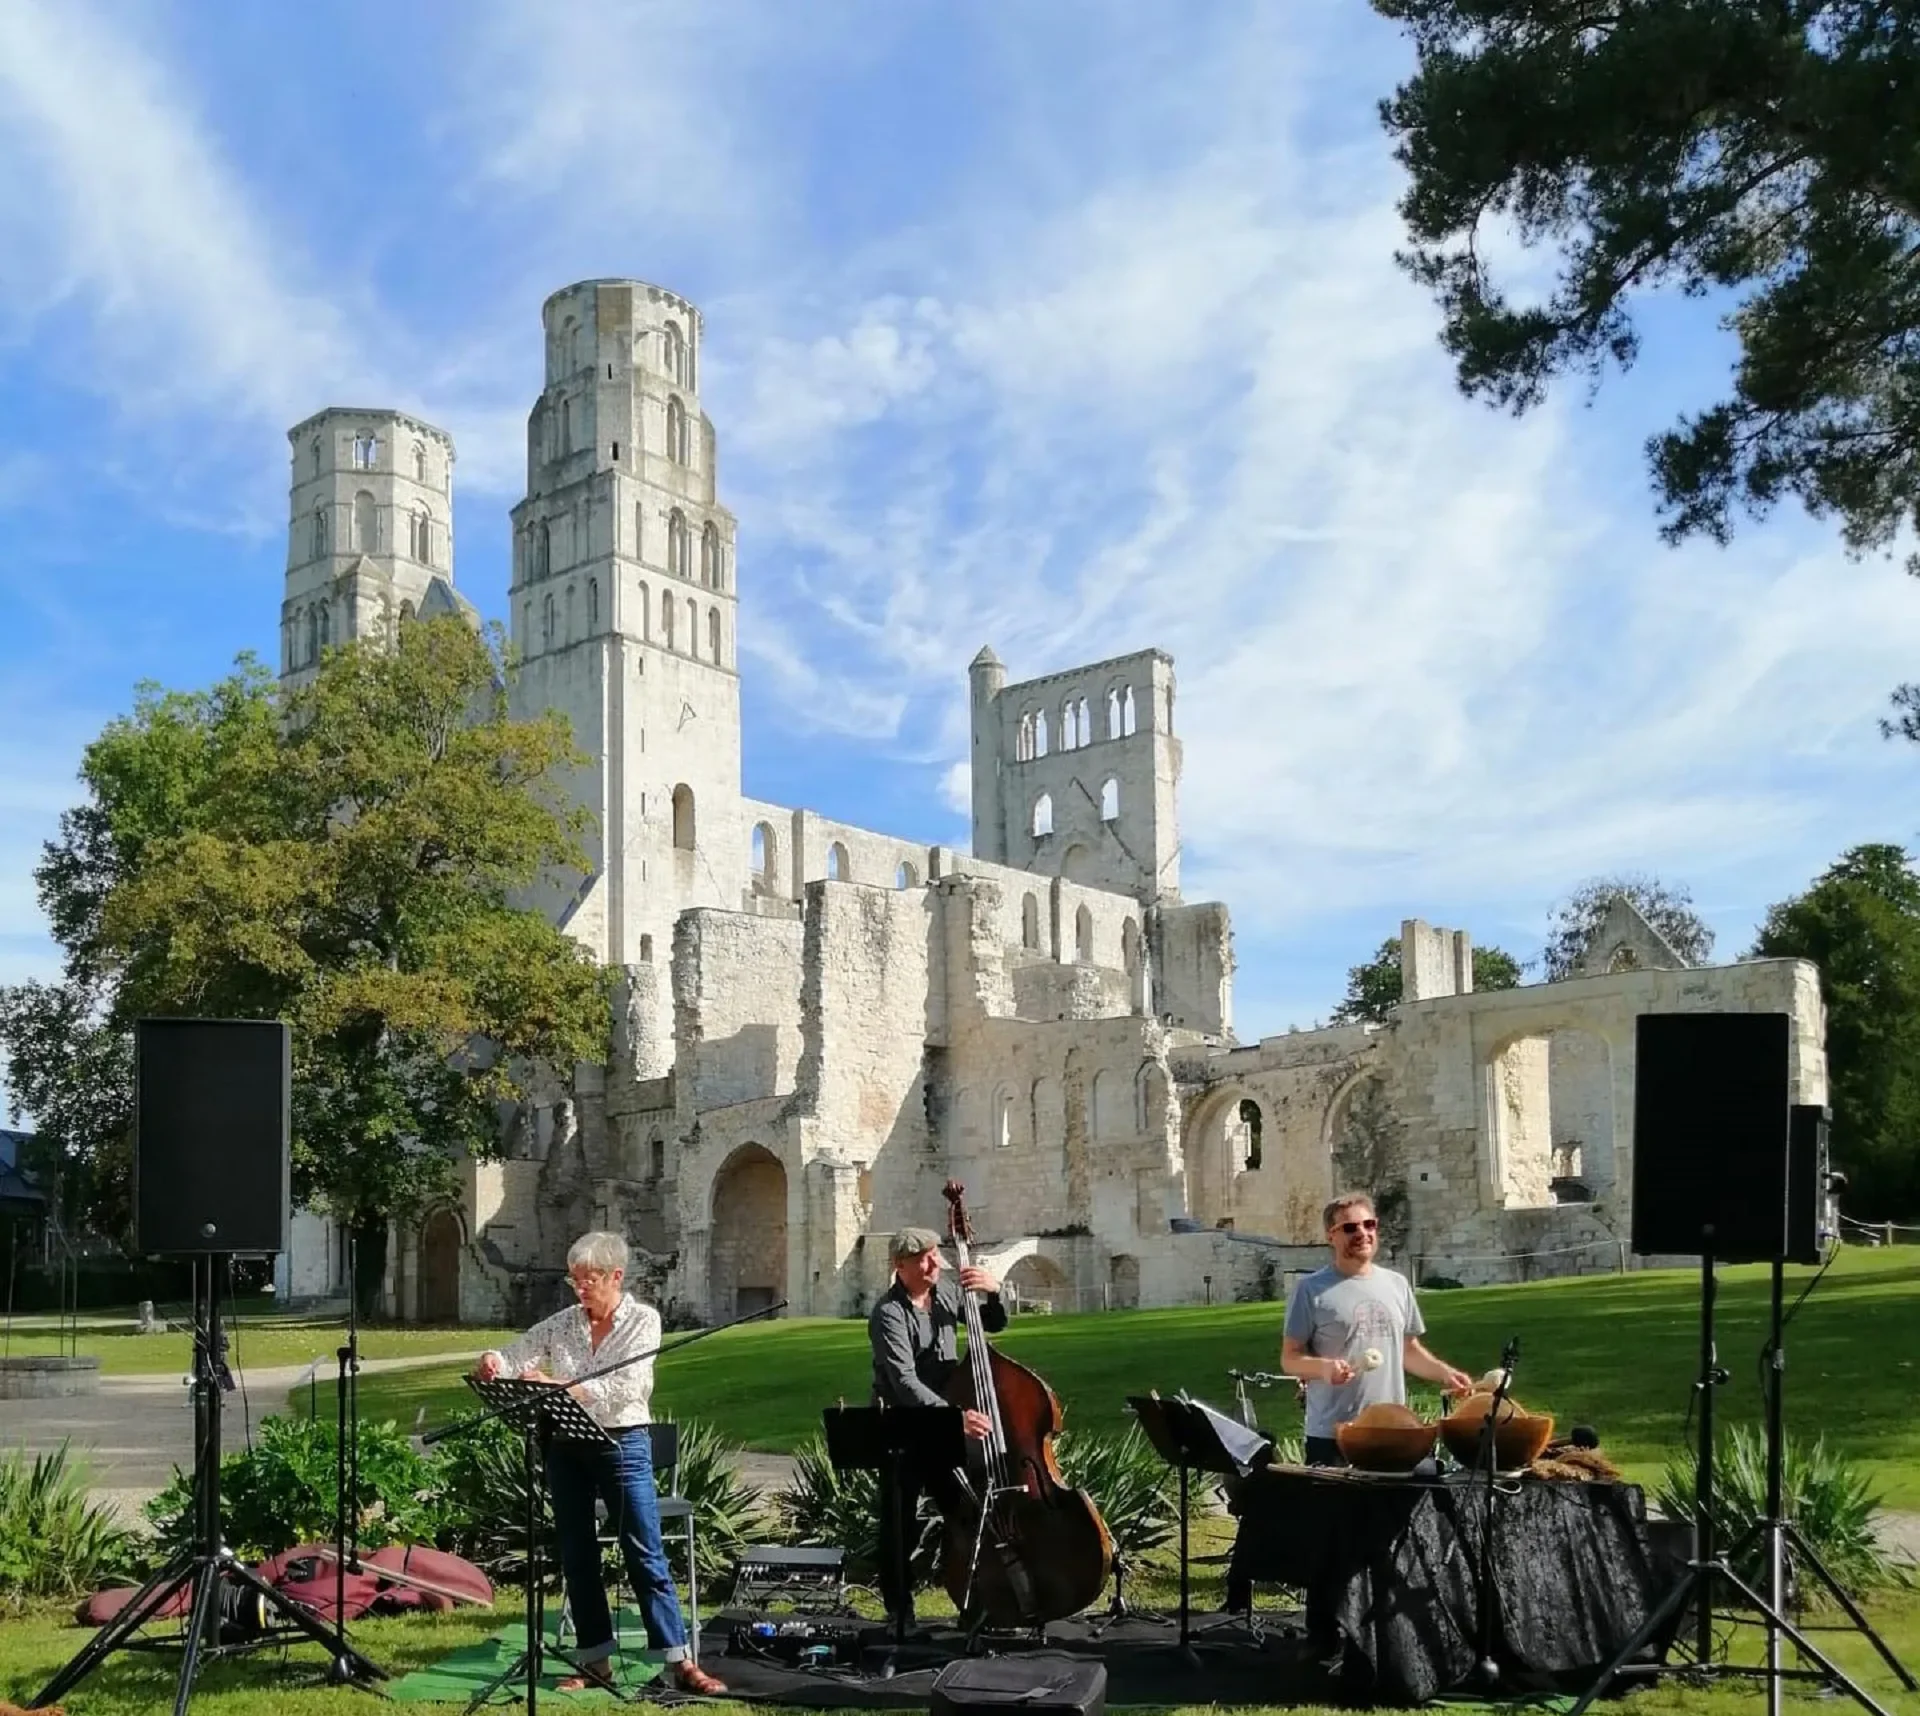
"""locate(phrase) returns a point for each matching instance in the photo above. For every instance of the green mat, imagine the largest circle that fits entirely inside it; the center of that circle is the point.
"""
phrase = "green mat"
(456, 1677)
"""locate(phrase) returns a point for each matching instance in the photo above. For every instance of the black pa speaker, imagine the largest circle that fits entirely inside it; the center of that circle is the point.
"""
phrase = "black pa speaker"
(1710, 1104)
(1807, 1176)
(212, 1123)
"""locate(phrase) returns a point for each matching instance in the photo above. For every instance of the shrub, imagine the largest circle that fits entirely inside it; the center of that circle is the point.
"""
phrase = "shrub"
(826, 1508)
(483, 1504)
(728, 1513)
(53, 1541)
(282, 1491)
(1827, 1497)
(1137, 1492)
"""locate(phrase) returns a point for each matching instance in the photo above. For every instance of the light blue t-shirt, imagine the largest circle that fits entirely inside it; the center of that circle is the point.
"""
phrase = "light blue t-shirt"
(1341, 1316)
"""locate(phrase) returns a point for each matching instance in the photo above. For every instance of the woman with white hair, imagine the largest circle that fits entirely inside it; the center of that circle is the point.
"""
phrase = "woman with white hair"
(607, 1325)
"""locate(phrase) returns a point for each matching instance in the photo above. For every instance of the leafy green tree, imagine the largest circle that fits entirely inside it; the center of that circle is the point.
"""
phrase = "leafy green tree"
(1373, 989)
(1764, 153)
(1860, 923)
(1667, 907)
(347, 858)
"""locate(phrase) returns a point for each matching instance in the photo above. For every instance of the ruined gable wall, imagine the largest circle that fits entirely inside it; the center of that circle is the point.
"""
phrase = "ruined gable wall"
(737, 980)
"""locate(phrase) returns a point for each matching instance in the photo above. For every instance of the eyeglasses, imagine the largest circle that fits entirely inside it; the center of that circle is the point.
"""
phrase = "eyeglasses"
(1350, 1228)
(588, 1278)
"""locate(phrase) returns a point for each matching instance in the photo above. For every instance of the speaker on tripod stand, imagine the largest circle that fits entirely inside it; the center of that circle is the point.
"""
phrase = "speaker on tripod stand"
(212, 1129)
(1727, 1168)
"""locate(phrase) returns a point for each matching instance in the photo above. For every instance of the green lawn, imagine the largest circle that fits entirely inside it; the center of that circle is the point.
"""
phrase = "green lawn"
(33, 1647)
(1617, 1352)
(254, 1340)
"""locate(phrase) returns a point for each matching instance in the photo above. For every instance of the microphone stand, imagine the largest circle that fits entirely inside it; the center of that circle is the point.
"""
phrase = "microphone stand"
(346, 1479)
(1487, 1455)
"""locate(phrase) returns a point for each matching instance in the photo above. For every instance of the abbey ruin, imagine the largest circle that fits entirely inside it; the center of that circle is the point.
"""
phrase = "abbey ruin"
(817, 1024)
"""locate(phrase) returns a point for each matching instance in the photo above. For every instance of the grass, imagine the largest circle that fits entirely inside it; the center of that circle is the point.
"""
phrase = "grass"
(1617, 1352)
(34, 1646)
(257, 1340)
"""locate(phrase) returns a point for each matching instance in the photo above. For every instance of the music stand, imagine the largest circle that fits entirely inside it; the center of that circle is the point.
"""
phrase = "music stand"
(890, 1440)
(1190, 1436)
(539, 1409)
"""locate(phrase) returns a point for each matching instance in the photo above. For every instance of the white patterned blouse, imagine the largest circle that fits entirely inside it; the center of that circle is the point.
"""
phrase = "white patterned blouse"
(562, 1346)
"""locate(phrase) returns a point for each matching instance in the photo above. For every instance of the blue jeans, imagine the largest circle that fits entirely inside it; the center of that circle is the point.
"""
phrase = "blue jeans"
(622, 1477)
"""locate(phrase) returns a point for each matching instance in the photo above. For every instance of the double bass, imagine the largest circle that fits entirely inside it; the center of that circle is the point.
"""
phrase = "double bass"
(1020, 1548)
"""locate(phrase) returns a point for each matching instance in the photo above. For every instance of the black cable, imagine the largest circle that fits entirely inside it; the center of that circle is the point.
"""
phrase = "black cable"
(239, 1363)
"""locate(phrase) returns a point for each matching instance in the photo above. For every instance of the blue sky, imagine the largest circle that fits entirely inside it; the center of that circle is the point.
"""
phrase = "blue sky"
(1071, 329)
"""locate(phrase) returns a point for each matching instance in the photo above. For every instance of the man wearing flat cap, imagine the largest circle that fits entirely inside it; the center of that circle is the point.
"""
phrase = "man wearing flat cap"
(914, 1331)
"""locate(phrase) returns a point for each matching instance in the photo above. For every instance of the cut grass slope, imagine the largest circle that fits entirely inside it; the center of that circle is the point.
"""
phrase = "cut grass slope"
(1617, 1352)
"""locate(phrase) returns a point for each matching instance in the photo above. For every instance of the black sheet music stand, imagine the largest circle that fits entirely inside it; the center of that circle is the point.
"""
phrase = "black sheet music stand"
(539, 1409)
(1191, 1437)
(889, 1440)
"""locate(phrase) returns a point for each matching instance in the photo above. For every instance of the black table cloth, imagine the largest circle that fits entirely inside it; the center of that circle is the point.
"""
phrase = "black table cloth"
(1390, 1568)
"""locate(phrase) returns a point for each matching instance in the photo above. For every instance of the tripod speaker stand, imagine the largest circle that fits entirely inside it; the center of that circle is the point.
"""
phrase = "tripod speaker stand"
(1711, 1564)
(217, 1584)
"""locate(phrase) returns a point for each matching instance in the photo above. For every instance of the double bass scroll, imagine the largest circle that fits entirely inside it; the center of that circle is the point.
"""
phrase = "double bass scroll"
(1020, 1547)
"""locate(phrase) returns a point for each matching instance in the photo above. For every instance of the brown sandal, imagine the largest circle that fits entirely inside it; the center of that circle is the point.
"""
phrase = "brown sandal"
(595, 1674)
(689, 1676)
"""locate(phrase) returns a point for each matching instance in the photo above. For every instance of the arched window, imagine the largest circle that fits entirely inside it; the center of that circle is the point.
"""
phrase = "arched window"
(1040, 732)
(319, 532)
(419, 463)
(526, 624)
(567, 636)
(1023, 742)
(676, 349)
(316, 455)
(676, 432)
(837, 870)
(683, 817)
(1083, 936)
(1113, 712)
(1250, 1119)
(1068, 729)
(1030, 922)
(693, 630)
(421, 535)
(1002, 1116)
(593, 604)
(542, 549)
(904, 875)
(546, 621)
(1110, 800)
(710, 556)
(366, 451)
(1042, 823)
(643, 618)
(666, 618)
(639, 530)
(763, 853)
(1084, 735)
(566, 427)
(366, 523)
(406, 613)
(1126, 711)
(313, 637)
(678, 544)
(713, 636)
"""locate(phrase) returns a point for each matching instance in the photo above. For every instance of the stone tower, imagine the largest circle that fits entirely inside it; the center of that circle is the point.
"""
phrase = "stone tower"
(1076, 774)
(370, 533)
(623, 612)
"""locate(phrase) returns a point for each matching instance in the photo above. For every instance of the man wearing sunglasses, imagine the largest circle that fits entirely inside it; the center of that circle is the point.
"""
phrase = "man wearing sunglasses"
(1353, 1332)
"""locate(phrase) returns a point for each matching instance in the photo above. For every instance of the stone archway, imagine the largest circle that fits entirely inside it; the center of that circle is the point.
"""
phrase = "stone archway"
(747, 1250)
(1123, 1283)
(438, 1300)
(1035, 1278)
